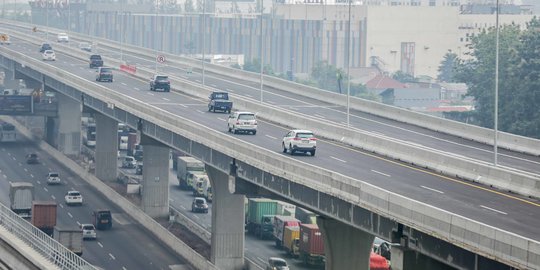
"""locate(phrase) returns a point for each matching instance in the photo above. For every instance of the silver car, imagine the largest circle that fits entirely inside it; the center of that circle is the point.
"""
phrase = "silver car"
(275, 263)
(88, 231)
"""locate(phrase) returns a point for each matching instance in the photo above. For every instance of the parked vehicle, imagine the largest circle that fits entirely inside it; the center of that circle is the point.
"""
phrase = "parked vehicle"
(104, 74)
(48, 55)
(71, 238)
(280, 222)
(53, 178)
(311, 245)
(21, 195)
(219, 101)
(139, 169)
(44, 216)
(44, 47)
(305, 216)
(277, 264)
(62, 37)
(199, 205)
(88, 231)
(188, 169)
(129, 162)
(95, 61)
(299, 141)
(242, 122)
(291, 238)
(32, 158)
(160, 82)
(261, 212)
(102, 219)
(73, 197)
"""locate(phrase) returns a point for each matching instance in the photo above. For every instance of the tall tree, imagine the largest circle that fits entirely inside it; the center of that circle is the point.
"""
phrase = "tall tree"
(446, 69)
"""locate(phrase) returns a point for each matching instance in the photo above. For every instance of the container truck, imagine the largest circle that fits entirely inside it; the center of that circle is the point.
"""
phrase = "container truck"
(305, 216)
(199, 180)
(311, 245)
(285, 209)
(280, 222)
(71, 238)
(21, 195)
(132, 141)
(187, 168)
(44, 216)
(378, 262)
(291, 237)
(260, 217)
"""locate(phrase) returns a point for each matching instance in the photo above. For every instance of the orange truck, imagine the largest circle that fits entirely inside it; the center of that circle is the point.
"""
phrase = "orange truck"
(44, 216)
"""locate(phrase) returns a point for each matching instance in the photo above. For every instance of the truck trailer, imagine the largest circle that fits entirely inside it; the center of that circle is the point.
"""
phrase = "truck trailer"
(71, 238)
(21, 195)
(44, 216)
(188, 168)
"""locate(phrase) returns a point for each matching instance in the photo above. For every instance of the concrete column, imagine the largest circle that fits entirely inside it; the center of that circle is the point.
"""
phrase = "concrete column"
(155, 185)
(69, 126)
(106, 151)
(407, 259)
(227, 246)
(345, 247)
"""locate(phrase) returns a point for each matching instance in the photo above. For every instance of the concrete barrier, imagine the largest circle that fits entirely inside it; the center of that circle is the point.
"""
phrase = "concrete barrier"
(352, 190)
(12, 249)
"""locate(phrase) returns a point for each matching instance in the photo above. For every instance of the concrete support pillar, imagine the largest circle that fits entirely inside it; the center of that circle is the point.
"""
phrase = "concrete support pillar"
(407, 259)
(227, 246)
(69, 126)
(155, 185)
(106, 154)
(345, 247)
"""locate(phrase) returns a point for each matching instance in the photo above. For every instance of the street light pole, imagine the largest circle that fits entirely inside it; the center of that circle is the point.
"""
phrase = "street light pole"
(47, 20)
(122, 3)
(496, 109)
(155, 33)
(203, 39)
(262, 52)
(349, 65)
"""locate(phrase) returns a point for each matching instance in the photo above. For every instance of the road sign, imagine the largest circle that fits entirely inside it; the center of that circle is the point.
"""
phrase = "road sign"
(160, 58)
(16, 105)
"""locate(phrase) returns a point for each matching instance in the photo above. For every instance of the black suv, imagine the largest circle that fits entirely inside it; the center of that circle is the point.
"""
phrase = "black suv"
(32, 159)
(44, 47)
(104, 74)
(160, 82)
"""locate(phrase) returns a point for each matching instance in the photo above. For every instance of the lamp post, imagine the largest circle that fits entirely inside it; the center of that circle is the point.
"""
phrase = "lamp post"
(203, 39)
(262, 52)
(155, 32)
(496, 109)
(349, 65)
(122, 31)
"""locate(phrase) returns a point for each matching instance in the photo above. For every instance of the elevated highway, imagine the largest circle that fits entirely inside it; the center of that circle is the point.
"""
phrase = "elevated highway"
(342, 182)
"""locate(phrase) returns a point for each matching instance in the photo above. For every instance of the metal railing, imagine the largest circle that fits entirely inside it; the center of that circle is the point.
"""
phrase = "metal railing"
(41, 242)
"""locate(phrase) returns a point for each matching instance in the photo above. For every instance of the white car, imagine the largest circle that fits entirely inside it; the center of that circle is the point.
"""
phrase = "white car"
(88, 231)
(62, 37)
(48, 55)
(85, 46)
(129, 162)
(53, 178)
(73, 197)
(297, 140)
(242, 122)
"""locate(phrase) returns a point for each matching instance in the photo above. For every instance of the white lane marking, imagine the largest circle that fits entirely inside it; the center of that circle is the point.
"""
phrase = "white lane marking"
(136, 88)
(25, 169)
(5, 176)
(61, 205)
(432, 189)
(271, 137)
(198, 81)
(248, 95)
(260, 259)
(181, 206)
(39, 182)
(99, 244)
(219, 118)
(123, 83)
(20, 164)
(213, 85)
(229, 90)
(199, 111)
(183, 105)
(150, 93)
(271, 102)
(338, 159)
(13, 158)
(166, 99)
(45, 189)
(78, 223)
(9, 153)
(387, 175)
(53, 197)
(494, 210)
(112, 256)
(70, 215)
(124, 268)
(195, 216)
(171, 200)
(318, 115)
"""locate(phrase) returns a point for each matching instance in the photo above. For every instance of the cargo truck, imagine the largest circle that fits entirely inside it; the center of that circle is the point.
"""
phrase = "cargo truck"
(305, 216)
(187, 169)
(21, 195)
(102, 219)
(44, 216)
(207, 190)
(199, 180)
(291, 237)
(71, 238)
(260, 217)
(311, 245)
(280, 222)
(286, 209)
